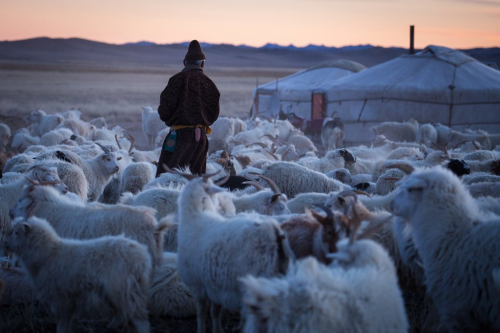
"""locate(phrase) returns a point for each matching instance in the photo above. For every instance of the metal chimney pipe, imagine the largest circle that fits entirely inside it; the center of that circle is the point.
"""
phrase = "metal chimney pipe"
(412, 39)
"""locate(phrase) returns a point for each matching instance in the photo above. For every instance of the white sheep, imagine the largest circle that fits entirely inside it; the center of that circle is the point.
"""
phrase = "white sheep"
(332, 133)
(459, 248)
(223, 128)
(485, 189)
(168, 295)
(72, 176)
(480, 177)
(103, 278)
(302, 201)
(226, 249)
(294, 179)
(427, 134)
(99, 122)
(151, 125)
(23, 139)
(78, 127)
(98, 170)
(163, 200)
(9, 193)
(454, 138)
(386, 183)
(45, 122)
(264, 201)
(395, 131)
(343, 175)
(362, 295)
(75, 220)
(161, 137)
(136, 175)
(335, 159)
(55, 137)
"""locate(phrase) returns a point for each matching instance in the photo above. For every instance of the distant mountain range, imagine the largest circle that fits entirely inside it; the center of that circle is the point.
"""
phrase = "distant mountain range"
(270, 46)
(145, 55)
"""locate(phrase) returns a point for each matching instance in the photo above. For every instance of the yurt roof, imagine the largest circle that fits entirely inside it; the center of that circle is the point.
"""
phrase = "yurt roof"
(435, 75)
(298, 86)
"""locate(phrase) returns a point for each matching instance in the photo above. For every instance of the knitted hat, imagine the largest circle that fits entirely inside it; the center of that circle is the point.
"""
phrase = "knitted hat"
(194, 51)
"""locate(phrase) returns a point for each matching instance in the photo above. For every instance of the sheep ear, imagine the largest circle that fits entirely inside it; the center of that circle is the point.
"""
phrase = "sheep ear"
(26, 228)
(275, 198)
(341, 200)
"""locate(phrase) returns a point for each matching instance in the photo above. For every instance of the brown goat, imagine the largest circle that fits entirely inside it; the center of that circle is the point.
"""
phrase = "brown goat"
(311, 234)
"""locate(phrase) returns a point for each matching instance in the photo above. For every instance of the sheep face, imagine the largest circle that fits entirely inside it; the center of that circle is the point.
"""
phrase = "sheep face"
(43, 174)
(437, 187)
(408, 197)
(27, 234)
(197, 196)
(110, 162)
(24, 206)
(459, 167)
(35, 116)
(277, 205)
(17, 240)
(29, 200)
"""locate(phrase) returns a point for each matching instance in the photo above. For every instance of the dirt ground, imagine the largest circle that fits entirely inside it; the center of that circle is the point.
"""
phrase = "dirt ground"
(116, 94)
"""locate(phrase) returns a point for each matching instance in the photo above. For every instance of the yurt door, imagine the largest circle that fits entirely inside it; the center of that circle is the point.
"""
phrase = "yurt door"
(318, 110)
(318, 105)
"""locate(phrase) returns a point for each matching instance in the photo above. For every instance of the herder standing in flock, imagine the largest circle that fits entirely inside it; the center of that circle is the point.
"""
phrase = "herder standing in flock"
(188, 105)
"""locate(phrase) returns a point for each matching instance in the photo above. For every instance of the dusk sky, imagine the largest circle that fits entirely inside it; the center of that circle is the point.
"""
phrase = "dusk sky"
(452, 23)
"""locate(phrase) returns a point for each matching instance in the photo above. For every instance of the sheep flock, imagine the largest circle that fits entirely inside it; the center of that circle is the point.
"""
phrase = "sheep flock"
(282, 234)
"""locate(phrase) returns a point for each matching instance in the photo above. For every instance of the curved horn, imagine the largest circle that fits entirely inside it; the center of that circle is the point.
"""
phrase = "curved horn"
(438, 146)
(272, 184)
(362, 193)
(260, 144)
(105, 149)
(273, 155)
(254, 184)
(459, 144)
(406, 168)
(328, 211)
(118, 142)
(207, 176)
(132, 142)
(32, 181)
(349, 193)
(223, 180)
(188, 176)
(286, 153)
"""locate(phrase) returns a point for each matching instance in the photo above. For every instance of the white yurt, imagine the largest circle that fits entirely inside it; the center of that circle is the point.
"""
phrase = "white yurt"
(302, 93)
(437, 84)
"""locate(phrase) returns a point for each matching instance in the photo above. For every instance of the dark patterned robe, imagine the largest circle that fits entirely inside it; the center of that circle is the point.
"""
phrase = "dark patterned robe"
(190, 98)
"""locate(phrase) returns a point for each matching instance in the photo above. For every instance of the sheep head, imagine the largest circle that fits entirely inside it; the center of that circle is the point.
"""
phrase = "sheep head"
(198, 194)
(333, 226)
(459, 167)
(29, 235)
(431, 190)
(38, 174)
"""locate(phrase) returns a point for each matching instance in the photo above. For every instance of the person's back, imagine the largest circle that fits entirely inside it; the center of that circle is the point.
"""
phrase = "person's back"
(188, 105)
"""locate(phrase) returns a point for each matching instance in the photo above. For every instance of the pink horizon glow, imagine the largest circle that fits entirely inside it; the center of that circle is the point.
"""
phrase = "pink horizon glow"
(452, 23)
